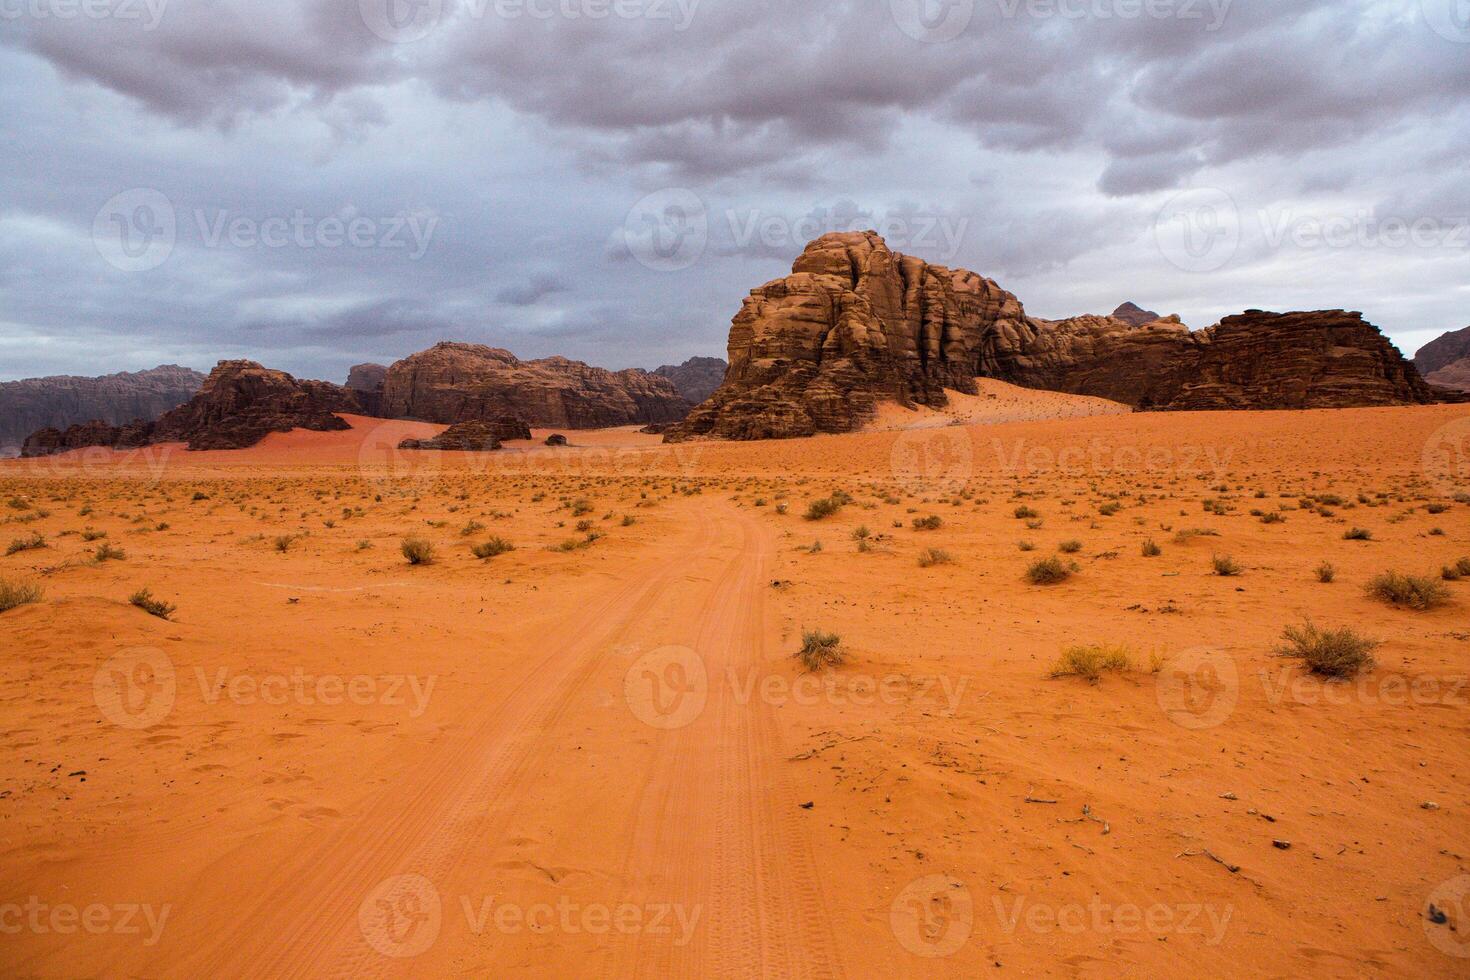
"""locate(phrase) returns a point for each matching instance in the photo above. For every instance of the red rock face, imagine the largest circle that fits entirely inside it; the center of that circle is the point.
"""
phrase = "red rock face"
(451, 383)
(26, 406)
(855, 324)
(239, 404)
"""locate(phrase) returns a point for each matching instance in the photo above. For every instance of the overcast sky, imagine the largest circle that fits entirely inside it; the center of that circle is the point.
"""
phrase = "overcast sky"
(317, 183)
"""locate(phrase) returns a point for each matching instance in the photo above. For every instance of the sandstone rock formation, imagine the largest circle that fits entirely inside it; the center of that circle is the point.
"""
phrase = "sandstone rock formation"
(59, 402)
(556, 439)
(240, 403)
(1446, 360)
(468, 437)
(855, 324)
(697, 378)
(452, 383)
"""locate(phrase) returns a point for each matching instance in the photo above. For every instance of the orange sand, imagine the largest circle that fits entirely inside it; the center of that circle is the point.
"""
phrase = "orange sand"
(605, 761)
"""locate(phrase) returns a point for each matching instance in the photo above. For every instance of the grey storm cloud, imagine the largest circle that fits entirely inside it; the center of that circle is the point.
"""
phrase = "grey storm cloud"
(1045, 138)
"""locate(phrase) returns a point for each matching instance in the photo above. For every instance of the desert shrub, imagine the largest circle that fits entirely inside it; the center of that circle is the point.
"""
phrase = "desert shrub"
(418, 551)
(930, 523)
(1049, 571)
(107, 552)
(1110, 508)
(1410, 591)
(1069, 547)
(930, 557)
(819, 649)
(1024, 513)
(1326, 573)
(581, 506)
(1463, 567)
(629, 520)
(144, 600)
(1437, 508)
(1273, 517)
(13, 594)
(1091, 661)
(821, 508)
(1225, 566)
(471, 529)
(92, 534)
(1336, 653)
(364, 545)
(492, 547)
(1357, 534)
(1450, 574)
(1151, 549)
(284, 542)
(1187, 534)
(1026, 545)
(31, 542)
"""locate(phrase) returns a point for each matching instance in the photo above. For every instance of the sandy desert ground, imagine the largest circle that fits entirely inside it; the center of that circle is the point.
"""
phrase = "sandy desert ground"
(596, 755)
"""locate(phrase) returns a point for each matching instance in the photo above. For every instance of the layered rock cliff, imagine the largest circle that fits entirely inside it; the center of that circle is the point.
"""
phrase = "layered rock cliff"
(451, 383)
(238, 405)
(856, 323)
(115, 399)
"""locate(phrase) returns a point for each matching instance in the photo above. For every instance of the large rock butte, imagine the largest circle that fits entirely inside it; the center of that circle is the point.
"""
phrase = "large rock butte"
(451, 383)
(856, 323)
(239, 404)
(115, 399)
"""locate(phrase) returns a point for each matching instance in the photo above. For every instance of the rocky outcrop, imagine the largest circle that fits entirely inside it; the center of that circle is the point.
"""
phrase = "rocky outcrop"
(58, 402)
(1446, 361)
(471, 437)
(239, 404)
(852, 325)
(697, 378)
(855, 324)
(451, 383)
(1134, 315)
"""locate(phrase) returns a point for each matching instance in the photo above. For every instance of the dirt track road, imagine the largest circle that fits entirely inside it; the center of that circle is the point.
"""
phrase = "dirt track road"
(503, 850)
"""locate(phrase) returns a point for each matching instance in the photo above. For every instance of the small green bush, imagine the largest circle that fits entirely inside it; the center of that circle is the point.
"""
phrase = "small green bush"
(418, 551)
(1336, 653)
(819, 649)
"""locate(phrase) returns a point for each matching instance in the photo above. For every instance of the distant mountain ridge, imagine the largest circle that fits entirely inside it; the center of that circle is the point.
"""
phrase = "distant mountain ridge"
(1445, 361)
(64, 400)
(697, 378)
